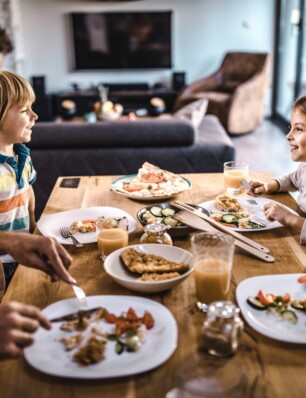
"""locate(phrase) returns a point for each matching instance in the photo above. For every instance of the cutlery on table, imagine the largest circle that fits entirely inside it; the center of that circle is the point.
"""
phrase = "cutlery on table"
(207, 224)
(66, 233)
(194, 221)
(75, 315)
(184, 206)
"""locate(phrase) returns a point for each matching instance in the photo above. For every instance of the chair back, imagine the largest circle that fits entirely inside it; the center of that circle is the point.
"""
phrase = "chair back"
(238, 67)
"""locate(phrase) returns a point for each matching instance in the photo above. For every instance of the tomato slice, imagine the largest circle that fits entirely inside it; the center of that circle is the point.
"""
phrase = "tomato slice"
(265, 299)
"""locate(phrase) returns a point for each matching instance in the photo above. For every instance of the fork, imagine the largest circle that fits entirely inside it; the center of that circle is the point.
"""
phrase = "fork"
(66, 233)
(81, 296)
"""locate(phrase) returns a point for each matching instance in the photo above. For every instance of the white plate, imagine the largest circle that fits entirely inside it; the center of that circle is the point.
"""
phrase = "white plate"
(50, 225)
(129, 177)
(255, 210)
(47, 354)
(115, 268)
(268, 324)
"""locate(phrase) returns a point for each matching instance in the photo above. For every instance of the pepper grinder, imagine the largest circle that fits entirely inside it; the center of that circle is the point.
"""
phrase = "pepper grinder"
(222, 329)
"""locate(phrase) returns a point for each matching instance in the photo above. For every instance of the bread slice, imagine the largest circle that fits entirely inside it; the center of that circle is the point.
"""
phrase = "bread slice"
(156, 276)
(142, 263)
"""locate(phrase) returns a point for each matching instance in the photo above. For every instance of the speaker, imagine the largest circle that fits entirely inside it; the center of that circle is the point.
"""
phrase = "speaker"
(38, 84)
(44, 108)
(178, 80)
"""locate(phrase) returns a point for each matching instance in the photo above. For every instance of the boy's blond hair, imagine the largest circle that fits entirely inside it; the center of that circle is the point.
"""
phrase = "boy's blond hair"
(300, 104)
(14, 90)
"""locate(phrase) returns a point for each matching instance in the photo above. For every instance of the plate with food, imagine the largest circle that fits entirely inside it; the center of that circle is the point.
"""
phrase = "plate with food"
(149, 268)
(82, 223)
(275, 306)
(149, 183)
(242, 213)
(116, 339)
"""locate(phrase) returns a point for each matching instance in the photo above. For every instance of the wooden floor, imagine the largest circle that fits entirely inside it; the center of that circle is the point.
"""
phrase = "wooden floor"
(265, 149)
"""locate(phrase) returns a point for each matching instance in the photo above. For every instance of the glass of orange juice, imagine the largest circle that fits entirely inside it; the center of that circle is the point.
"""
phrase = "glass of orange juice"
(233, 173)
(213, 259)
(112, 234)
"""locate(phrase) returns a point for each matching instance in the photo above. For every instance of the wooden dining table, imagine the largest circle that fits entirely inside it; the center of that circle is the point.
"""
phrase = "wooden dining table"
(273, 368)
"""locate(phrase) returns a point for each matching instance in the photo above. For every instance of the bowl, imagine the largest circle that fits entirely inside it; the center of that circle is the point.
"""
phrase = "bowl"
(175, 231)
(115, 268)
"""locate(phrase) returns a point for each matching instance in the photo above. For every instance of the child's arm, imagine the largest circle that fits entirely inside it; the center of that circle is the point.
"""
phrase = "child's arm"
(277, 212)
(32, 210)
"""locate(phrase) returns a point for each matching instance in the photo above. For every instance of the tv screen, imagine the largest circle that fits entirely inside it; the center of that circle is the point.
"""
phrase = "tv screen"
(125, 40)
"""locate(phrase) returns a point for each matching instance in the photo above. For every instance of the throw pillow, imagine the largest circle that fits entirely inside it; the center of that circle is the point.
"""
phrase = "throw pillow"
(194, 112)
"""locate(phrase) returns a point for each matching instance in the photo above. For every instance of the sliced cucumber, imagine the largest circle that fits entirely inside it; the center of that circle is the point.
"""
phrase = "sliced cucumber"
(255, 303)
(229, 219)
(171, 222)
(298, 305)
(156, 211)
(289, 315)
(168, 212)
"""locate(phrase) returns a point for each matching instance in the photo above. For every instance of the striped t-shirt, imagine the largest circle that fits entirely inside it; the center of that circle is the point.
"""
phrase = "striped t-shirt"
(15, 180)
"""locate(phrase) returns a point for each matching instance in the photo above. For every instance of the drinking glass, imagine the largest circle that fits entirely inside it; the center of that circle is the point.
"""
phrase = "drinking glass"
(201, 376)
(213, 259)
(233, 173)
(112, 234)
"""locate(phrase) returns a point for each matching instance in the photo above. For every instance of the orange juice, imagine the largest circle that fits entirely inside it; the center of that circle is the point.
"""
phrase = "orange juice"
(212, 279)
(232, 178)
(112, 239)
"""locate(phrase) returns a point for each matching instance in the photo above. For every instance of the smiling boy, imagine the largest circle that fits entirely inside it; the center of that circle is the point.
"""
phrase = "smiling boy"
(17, 201)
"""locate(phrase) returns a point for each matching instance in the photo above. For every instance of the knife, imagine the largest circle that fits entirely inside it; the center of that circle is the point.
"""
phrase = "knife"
(246, 184)
(75, 315)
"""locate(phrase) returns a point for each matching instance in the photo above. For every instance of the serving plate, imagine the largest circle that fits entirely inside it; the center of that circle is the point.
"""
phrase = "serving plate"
(50, 225)
(256, 211)
(115, 268)
(48, 355)
(136, 196)
(268, 324)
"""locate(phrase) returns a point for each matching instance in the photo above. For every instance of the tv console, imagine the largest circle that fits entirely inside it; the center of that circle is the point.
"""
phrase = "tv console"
(130, 99)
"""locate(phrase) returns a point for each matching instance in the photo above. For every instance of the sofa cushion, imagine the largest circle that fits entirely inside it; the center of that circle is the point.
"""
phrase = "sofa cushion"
(120, 134)
(194, 112)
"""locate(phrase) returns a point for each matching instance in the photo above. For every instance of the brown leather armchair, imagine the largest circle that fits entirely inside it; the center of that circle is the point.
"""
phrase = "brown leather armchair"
(236, 91)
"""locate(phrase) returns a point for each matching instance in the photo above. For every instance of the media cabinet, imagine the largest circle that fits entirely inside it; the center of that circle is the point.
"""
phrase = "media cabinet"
(131, 100)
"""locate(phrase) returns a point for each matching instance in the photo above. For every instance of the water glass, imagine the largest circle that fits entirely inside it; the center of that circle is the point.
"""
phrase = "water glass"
(112, 234)
(201, 376)
(233, 173)
(213, 259)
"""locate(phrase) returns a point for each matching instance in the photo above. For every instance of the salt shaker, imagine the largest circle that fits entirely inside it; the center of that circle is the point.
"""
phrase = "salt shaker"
(156, 233)
(222, 329)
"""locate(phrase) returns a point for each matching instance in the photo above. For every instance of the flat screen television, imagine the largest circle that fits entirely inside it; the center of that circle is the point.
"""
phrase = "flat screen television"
(121, 40)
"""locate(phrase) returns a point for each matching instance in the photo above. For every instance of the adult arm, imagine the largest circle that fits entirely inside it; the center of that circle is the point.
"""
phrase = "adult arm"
(39, 252)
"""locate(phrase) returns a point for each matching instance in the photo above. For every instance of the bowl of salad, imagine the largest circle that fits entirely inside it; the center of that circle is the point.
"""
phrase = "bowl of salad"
(163, 213)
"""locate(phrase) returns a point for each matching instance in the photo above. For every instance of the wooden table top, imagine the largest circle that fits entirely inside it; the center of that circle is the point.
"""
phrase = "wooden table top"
(274, 369)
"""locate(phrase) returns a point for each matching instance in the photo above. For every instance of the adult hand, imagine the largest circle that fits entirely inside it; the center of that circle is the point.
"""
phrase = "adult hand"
(39, 252)
(17, 324)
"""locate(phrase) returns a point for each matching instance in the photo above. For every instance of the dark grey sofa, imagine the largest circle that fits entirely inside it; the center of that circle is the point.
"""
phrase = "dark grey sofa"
(121, 147)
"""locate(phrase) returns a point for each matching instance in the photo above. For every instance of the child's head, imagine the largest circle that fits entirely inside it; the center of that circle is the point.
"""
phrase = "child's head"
(14, 90)
(300, 105)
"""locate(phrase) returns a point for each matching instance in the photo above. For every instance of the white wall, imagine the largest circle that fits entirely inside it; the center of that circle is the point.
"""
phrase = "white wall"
(203, 30)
